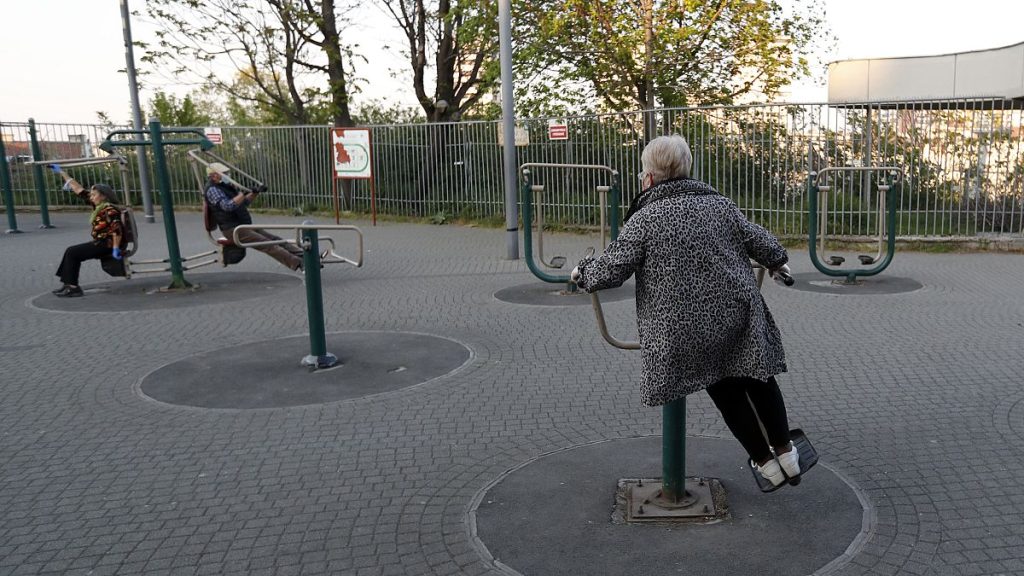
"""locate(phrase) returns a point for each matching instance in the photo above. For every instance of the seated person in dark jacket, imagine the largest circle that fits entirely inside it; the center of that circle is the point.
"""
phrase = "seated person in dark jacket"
(229, 207)
(106, 230)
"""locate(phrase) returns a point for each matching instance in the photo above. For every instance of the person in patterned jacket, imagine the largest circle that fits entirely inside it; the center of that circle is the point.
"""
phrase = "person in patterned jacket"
(702, 321)
(107, 233)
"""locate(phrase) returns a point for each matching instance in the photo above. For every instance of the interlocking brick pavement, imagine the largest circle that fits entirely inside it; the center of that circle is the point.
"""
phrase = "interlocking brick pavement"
(915, 397)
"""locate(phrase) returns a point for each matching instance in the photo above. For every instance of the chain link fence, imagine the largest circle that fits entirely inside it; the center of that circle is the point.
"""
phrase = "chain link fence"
(962, 160)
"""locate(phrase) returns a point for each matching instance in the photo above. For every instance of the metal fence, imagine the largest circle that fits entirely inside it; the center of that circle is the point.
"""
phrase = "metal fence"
(962, 159)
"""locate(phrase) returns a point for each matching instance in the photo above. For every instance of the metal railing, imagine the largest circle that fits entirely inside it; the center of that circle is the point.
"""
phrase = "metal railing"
(963, 160)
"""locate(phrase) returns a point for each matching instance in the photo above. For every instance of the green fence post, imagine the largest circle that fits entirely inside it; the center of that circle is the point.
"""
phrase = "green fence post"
(673, 450)
(5, 184)
(318, 355)
(167, 204)
(37, 175)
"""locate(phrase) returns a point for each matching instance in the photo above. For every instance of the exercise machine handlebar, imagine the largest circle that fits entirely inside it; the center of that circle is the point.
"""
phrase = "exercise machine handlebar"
(76, 162)
(299, 228)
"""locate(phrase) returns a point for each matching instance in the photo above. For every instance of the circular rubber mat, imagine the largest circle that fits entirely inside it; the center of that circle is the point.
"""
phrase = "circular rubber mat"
(268, 374)
(547, 294)
(868, 286)
(554, 515)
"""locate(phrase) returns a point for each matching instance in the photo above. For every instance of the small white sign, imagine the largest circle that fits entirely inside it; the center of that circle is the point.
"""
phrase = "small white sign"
(350, 148)
(522, 135)
(213, 134)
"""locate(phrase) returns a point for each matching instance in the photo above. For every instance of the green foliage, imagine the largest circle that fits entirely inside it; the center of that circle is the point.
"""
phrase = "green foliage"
(629, 54)
(172, 111)
(376, 112)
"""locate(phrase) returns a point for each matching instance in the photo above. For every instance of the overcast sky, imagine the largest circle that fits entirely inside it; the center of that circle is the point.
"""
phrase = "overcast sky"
(61, 57)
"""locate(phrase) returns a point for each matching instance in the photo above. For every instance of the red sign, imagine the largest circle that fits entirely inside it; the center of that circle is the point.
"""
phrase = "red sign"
(213, 134)
(558, 132)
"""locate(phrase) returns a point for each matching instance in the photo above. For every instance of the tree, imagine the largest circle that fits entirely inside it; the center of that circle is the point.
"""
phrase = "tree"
(278, 53)
(462, 37)
(187, 111)
(649, 53)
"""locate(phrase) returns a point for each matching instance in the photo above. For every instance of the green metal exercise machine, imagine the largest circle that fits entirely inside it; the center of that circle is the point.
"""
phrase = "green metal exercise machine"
(819, 188)
(180, 136)
(608, 195)
(307, 236)
(675, 497)
(5, 187)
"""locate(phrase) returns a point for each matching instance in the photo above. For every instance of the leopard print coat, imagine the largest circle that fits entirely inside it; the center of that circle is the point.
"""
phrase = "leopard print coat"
(700, 313)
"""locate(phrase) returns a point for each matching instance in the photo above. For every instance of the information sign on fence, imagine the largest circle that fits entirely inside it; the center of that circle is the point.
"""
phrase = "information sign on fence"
(350, 148)
(558, 132)
(522, 135)
(213, 134)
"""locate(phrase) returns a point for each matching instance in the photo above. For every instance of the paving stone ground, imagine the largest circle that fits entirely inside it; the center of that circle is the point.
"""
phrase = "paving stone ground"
(916, 398)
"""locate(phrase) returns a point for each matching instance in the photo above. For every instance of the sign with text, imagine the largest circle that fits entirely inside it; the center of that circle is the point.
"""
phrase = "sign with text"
(213, 134)
(350, 148)
(522, 135)
(558, 132)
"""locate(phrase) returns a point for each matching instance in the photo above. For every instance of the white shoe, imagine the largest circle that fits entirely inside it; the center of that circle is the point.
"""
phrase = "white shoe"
(790, 462)
(771, 471)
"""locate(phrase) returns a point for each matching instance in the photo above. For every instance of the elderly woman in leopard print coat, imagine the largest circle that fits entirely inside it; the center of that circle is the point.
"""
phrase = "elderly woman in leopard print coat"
(702, 321)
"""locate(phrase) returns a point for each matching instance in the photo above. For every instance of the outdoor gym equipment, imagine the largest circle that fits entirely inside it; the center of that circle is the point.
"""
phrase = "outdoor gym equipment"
(156, 140)
(307, 236)
(819, 190)
(131, 229)
(199, 160)
(609, 213)
(5, 187)
(121, 161)
(676, 497)
(37, 174)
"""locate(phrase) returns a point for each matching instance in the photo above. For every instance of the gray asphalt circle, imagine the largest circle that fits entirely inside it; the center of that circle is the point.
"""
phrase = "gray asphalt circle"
(268, 374)
(553, 516)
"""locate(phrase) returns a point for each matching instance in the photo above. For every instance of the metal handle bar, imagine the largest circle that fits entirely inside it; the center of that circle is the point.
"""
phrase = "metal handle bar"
(894, 170)
(73, 162)
(595, 301)
(298, 237)
(194, 154)
(583, 166)
(782, 274)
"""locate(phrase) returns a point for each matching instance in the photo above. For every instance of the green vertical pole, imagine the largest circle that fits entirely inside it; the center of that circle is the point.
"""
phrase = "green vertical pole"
(318, 355)
(615, 200)
(5, 185)
(527, 216)
(167, 203)
(37, 175)
(673, 450)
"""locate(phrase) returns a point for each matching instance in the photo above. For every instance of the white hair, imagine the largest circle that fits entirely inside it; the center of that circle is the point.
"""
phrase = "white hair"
(667, 157)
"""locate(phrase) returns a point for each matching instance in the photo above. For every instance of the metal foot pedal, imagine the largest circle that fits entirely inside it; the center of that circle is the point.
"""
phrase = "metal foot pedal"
(557, 262)
(836, 260)
(865, 259)
(808, 458)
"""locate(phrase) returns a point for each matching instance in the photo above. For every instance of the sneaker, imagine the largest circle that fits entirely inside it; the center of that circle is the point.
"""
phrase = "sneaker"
(62, 288)
(790, 462)
(771, 471)
(71, 292)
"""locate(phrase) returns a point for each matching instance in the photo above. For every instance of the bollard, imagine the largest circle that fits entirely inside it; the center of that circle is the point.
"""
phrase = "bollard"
(37, 175)
(167, 202)
(318, 357)
(5, 185)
